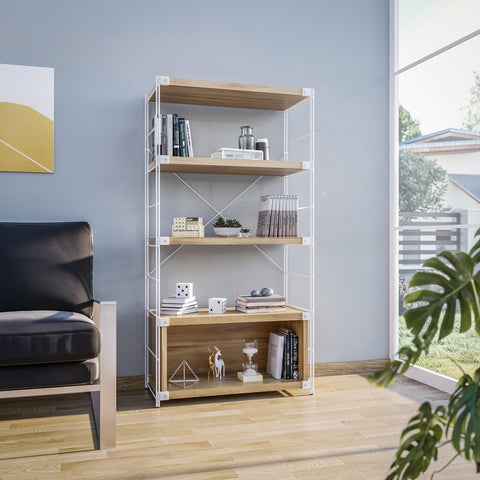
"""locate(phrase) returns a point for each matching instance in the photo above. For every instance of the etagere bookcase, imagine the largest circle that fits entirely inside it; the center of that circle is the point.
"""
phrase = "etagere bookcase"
(171, 339)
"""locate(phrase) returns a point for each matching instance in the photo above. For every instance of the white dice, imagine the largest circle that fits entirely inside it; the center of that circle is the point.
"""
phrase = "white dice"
(184, 290)
(217, 305)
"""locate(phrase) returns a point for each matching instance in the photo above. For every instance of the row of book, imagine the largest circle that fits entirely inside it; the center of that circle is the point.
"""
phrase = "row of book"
(172, 136)
(278, 216)
(178, 306)
(270, 304)
(282, 358)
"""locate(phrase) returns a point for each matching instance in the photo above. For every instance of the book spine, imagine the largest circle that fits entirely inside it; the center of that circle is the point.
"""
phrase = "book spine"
(182, 138)
(169, 135)
(176, 138)
(295, 369)
(285, 351)
(290, 348)
(188, 134)
(264, 213)
(295, 216)
(291, 207)
(163, 148)
(155, 146)
(273, 217)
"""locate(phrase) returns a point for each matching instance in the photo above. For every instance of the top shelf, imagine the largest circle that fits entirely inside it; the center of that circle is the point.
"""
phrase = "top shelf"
(226, 94)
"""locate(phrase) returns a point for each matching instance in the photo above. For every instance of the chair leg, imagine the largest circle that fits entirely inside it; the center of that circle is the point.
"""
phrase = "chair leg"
(104, 402)
(104, 411)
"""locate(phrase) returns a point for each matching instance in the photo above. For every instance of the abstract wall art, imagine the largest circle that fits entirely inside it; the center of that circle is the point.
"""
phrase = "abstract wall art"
(26, 119)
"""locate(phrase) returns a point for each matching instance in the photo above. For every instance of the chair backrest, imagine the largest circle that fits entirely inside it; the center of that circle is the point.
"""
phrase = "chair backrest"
(46, 266)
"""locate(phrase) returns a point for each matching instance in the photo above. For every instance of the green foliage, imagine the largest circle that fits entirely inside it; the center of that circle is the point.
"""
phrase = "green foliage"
(408, 127)
(422, 184)
(451, 283)
(232, 223)
(221, 222)
(464, 417)
(419, 443)
(472, 110)
(453, 356)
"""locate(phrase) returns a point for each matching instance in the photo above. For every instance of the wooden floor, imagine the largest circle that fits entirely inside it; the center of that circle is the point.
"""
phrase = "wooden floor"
(347, 430)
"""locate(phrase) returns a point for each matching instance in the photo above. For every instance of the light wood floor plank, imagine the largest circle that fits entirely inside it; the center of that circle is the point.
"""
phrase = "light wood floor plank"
(347, 431)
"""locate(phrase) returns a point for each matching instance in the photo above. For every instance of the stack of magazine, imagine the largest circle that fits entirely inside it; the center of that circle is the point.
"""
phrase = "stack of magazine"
(178, 306)
(271, 304)
(278, 216)
(171, 136)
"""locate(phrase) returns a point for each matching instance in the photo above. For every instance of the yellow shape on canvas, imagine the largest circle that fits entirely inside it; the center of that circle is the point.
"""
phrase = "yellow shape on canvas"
(26, 139)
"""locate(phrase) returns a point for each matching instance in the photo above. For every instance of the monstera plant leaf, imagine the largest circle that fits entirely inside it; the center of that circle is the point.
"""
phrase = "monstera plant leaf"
(464, 417)
(449, 285)
(419, 443)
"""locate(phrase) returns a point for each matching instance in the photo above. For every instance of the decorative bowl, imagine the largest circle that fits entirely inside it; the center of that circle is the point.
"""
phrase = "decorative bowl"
(226, 231)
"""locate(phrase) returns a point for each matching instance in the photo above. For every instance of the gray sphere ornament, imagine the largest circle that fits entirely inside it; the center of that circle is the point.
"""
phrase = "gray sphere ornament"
(266, 292)
(255, 293)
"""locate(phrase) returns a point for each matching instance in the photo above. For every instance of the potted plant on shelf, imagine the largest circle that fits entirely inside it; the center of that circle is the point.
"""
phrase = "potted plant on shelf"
(443, 300)
(228, 227)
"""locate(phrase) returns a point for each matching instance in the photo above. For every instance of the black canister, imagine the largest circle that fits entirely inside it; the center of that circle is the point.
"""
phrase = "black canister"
(262, 144)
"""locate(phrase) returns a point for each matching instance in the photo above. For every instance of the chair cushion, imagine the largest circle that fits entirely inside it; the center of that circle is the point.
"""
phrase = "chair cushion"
(46, 266)
(48, 375)
(46, 336)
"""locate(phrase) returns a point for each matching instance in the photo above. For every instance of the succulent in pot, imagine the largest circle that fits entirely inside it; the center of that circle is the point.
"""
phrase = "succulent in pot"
(228, 227)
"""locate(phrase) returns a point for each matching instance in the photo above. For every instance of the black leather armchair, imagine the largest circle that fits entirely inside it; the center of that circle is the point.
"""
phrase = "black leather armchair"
(54, 338)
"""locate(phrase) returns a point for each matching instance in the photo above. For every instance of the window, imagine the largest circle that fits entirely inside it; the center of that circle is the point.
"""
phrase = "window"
(435, 151)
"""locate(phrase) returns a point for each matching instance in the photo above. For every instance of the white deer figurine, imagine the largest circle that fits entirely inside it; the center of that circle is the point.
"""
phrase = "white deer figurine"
(219, 365)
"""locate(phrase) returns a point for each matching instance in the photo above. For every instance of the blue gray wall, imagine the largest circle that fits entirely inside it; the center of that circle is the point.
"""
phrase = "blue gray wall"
(106, 55)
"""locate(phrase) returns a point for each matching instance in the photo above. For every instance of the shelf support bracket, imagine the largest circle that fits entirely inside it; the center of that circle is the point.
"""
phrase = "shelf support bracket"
(163, 80)
(307, 165)
(162, 396)
(307, 316)
(162, 322)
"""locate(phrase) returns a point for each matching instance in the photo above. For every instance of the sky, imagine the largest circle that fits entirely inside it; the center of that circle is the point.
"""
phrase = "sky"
(32, 86)
(435, 91)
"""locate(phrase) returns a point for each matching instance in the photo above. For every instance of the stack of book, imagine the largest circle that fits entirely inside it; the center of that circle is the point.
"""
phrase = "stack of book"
(278, 216)
(171, 136)
(178, 306)
(271, 304)
(282, 358)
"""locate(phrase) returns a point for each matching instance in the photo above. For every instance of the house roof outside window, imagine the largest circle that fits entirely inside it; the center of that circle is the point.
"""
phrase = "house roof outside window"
(448, 141)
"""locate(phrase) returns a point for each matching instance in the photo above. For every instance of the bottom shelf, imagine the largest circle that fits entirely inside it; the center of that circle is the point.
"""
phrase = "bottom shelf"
(230, 385)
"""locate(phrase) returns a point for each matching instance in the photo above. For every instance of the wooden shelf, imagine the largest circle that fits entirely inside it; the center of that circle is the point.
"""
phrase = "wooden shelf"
(229, 241)
(202, 317)
(226, 94)
(230, 385)
(227, 166)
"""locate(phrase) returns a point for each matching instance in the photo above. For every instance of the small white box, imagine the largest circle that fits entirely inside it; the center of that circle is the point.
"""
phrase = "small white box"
(184, 290)
(238, 153)
(217, 305)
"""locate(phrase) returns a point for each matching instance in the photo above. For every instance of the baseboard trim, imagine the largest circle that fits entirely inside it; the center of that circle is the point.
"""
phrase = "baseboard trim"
(360, 367)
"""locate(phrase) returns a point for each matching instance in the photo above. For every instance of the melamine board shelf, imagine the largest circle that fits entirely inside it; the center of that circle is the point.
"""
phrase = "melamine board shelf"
(202, 317)
(230, 385)
(227, 94)
(227, 166)
(228, 241)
